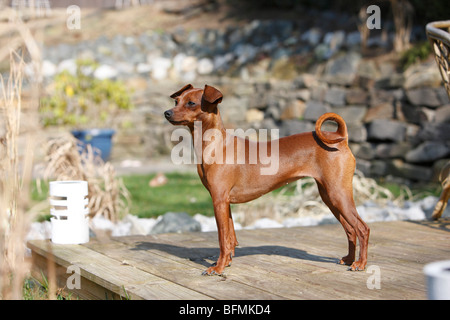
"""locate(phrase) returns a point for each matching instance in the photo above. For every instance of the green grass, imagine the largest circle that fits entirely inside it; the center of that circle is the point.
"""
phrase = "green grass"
(184, 192)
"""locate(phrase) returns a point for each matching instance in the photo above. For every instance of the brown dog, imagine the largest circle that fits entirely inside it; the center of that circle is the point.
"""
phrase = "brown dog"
(323, 155)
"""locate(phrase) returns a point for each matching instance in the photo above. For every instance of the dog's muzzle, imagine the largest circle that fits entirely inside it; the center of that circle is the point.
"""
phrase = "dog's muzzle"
(168, 114)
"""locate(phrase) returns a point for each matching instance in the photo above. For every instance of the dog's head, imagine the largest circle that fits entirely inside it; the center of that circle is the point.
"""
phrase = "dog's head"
(193, 104)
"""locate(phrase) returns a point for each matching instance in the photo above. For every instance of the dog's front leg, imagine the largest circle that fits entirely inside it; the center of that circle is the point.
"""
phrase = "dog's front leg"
(227, 238)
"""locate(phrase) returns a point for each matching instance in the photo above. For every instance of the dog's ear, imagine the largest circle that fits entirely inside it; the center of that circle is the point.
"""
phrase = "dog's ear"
(211, 98)
(179, 92)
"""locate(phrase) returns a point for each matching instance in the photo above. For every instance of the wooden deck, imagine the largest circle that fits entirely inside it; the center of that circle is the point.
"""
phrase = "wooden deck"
(287, 263)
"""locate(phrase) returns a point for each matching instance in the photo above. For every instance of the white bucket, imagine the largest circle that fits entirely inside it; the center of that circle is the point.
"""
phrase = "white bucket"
(438, 280)
(69, 210)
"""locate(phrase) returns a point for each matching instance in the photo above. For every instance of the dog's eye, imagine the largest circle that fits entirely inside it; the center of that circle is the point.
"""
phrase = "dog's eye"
(190, 103)
(176, 102)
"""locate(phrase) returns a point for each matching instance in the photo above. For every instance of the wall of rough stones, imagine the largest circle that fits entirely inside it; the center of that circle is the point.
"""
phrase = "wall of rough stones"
(278, 74)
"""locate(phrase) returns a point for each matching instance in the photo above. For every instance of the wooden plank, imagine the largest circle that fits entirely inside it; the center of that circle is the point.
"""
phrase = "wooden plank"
(170, 262)
(98, 270)
(400, 270)
(293, 263)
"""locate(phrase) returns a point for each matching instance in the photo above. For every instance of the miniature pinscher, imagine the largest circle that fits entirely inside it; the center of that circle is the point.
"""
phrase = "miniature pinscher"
(323, 155)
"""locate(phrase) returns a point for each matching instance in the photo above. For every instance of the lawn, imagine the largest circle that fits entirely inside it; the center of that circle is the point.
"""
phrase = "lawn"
(183, 192)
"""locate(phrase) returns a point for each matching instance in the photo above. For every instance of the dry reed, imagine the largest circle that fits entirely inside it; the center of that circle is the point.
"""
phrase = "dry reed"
(108, 195)
(15, 177)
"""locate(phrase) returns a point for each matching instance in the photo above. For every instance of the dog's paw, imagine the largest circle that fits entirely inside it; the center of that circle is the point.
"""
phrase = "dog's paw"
(348, 261)
(214, 270)
(357, 266)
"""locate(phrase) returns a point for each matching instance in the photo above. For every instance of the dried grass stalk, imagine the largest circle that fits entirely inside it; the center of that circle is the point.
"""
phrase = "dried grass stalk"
(15, 176)
(108, 196)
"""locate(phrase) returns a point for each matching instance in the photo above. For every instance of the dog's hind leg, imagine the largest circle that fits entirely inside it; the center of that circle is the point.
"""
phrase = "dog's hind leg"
(341, 203)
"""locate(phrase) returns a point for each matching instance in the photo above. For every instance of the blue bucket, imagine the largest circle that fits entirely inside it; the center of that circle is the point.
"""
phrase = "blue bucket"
(100, 139)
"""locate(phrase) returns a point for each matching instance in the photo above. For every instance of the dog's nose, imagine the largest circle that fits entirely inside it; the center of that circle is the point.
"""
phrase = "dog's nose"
(168, 114)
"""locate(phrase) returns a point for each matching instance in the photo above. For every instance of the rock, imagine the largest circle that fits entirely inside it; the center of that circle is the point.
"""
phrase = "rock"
(435, 131)
(357, 96)
(378, 168)
(223, 62)
(378, 96)
(367, 69)
(125, 68)
(410, 211)
(424, 96)
(392, 150)
(305, 80)
(443, 114)
(245, 53)
(172, 222)
(427, 205)
(177, 62)
(386, 130)
(442, 94)
(105, 227)
(322, 52)
(380, 111)
(105, 71)
(353, 39)
(352, 114)
(284, 68)
(372, 213)
(302, 94)
(205, 66)
(143, 67)
(334, 40)
(265, 223)
(290, 127)
(312, 36)
(314, 109)
(233, 110)
(40, 231)
(318, 91)
(356, 133)
(139, 226)
(422, 75)
(342, 70)
(294, 110)
(335, 96)
(207, 223)
(364, 151)
(69, 64)
(101, 223)
(189, 64)
(254, 115)
(428, 151)
(414, 114)
(305, 221)
(48, 68)
(377, 41)
(160, 67)
(409, 171)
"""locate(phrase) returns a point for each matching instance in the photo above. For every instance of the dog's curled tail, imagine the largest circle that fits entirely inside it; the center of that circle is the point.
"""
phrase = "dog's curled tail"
(331, 137)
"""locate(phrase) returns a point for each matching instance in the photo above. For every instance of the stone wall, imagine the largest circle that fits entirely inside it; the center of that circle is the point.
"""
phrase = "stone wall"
(278, 74)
